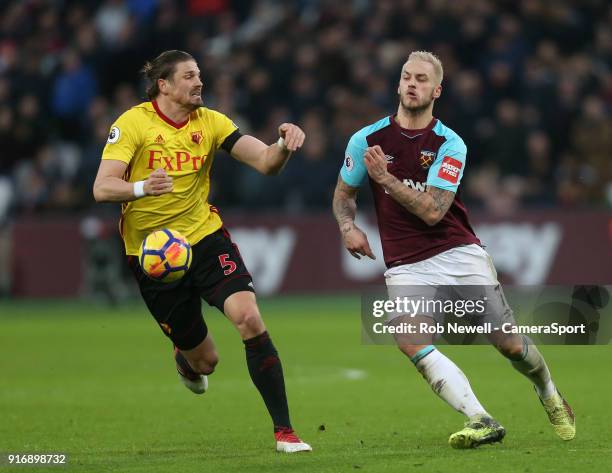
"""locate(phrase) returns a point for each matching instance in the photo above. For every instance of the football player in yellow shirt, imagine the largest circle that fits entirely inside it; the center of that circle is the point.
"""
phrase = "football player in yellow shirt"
(157, 163)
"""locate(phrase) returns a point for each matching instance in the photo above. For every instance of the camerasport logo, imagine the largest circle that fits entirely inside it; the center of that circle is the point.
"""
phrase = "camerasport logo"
(450, 169)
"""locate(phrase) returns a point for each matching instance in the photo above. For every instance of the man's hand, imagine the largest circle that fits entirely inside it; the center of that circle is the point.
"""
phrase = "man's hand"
(355, 241)
(158, 183)
(376, 164)
(269, 160)
(292, 135)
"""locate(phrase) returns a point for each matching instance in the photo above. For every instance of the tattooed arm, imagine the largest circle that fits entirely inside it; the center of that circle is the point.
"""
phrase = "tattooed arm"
(430, 206)
(345, 209)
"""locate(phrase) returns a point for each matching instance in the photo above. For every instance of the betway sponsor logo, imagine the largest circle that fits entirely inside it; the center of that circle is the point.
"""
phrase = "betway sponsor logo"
(181, 161)
(417, 186)
(525, 251)
(450, 169)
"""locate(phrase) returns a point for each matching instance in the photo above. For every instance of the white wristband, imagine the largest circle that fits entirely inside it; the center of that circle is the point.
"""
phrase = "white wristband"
(139, 189)
(281, 143)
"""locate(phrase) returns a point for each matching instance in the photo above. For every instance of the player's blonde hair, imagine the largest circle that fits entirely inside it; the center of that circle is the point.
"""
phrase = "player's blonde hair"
(432, 59)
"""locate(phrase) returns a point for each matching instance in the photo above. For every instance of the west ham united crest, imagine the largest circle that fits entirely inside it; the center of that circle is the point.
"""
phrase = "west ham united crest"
(196, 137)
(427, 158)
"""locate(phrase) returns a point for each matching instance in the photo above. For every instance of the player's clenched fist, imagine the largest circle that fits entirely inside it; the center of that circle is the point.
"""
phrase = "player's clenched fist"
(376, 164)
(292, 135)
(356, 242)
(158, 183)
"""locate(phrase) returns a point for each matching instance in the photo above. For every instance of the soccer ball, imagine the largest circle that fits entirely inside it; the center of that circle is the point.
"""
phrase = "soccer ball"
(165, 255)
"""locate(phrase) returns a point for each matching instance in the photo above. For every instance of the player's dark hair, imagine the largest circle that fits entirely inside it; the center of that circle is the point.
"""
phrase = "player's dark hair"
(162, 67)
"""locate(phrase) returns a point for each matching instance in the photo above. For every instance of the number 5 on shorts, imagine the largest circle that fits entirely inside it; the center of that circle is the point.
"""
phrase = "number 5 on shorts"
(225, 262)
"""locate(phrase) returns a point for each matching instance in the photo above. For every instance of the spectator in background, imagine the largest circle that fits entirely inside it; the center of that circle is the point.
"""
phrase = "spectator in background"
(7, 163)
(255, 190)
(574, 180)
(540, 181)
(113, 23)
(310, 178)
(142, 10)
(592, 140)
(73, 91)
(92, 152)
(506, 145)
(8, 143)
(523, 73)
(469, 111)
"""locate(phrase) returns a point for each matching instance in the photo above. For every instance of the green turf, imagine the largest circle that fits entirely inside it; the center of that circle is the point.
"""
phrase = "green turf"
(99, 384)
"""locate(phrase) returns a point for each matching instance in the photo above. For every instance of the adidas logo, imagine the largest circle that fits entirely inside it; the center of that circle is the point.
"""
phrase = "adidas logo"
(159, 140)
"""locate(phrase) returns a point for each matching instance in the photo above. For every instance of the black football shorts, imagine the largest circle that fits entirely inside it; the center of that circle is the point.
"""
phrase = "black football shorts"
(217, 271)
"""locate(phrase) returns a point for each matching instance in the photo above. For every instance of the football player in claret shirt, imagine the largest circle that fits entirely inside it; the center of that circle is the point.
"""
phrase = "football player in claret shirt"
(414, 164)
(157, 163)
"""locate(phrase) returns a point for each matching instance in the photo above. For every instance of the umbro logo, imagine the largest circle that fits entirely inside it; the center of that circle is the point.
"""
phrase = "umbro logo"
(389, 158)
(159, 140)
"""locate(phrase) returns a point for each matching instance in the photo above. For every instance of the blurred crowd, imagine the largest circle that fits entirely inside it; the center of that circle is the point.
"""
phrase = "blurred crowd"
(528, 85)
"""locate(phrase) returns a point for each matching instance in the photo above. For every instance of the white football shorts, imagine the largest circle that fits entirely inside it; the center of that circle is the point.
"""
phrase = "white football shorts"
(462, 273)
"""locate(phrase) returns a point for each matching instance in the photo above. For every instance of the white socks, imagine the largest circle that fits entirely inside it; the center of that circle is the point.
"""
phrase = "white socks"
(533, 366)
(447, 381)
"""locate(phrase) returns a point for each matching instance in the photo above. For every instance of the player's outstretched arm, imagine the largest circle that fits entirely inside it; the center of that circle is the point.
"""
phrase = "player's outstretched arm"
(269, 160)
(345, 209)
(111, 187)
(430, 206)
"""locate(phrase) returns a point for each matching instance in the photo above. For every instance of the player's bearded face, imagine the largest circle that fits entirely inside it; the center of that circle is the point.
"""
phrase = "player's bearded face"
(414, 101)
(417, 88)
(187, 86)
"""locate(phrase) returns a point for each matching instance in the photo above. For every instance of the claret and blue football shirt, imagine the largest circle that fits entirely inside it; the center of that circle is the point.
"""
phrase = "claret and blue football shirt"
(432, 156)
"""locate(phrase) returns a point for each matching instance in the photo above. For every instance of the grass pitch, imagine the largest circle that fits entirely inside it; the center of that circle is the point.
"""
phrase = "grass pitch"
(99, 384)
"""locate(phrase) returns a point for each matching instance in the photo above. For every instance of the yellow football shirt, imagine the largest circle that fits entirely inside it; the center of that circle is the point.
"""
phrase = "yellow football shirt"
(146, 140)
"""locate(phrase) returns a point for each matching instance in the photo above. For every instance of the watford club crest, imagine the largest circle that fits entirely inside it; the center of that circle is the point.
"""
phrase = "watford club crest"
(427, 158)
(196, 137)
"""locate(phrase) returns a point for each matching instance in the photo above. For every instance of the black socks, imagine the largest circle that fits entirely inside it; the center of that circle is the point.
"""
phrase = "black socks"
(267, 374)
